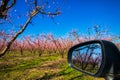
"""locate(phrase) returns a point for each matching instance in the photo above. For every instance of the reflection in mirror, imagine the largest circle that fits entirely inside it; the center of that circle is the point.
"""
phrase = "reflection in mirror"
(87, 57)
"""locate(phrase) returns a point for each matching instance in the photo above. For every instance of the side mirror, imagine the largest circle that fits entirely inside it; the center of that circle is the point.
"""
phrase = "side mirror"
(97, 58)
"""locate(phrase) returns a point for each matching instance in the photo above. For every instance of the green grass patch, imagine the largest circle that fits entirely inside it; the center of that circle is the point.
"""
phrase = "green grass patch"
(29, 67)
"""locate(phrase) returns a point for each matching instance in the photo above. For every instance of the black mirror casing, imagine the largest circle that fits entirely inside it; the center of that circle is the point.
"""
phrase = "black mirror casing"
(110, 64)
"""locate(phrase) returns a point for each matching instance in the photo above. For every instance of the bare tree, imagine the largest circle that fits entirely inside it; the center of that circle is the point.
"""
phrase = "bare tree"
(38, 9)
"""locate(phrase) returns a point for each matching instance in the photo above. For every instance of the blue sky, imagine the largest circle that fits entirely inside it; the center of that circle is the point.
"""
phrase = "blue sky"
(79, 15)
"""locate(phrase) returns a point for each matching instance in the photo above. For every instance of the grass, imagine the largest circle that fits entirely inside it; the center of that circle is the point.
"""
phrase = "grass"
(14, 66)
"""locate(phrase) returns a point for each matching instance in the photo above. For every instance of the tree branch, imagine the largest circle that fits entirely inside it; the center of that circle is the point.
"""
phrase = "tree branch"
(12, 4)
(16, 35)
(49, 13)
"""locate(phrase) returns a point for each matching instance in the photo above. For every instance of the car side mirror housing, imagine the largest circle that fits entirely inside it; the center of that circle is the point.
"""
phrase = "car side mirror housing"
(97, 58)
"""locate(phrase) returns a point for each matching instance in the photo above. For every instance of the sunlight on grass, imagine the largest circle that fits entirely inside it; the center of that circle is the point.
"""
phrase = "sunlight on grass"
(38, 68)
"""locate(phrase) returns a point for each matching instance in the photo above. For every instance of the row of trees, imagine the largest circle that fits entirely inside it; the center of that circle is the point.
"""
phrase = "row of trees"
(44, 43)
(38, 44)
(48, 43)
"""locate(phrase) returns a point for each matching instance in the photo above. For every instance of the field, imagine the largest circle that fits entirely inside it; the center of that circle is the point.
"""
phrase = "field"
(42, 57)
(15, 66)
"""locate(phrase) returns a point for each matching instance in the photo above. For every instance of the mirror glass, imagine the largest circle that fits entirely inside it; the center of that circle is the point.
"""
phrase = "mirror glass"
(88, 57)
